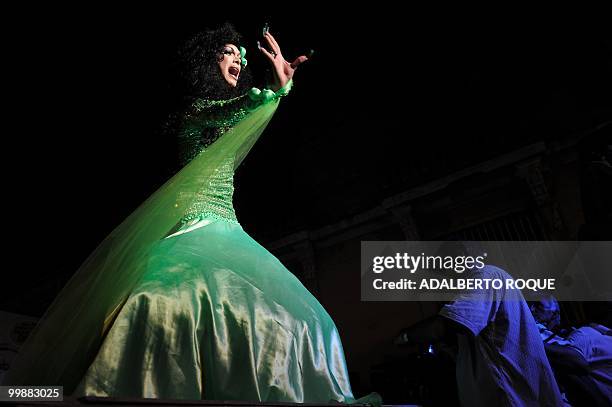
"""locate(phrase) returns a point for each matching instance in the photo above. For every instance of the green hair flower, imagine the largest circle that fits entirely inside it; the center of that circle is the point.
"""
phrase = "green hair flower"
(243, 61)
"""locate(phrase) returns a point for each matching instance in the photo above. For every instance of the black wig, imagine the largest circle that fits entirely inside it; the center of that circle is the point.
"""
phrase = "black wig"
(200, 73)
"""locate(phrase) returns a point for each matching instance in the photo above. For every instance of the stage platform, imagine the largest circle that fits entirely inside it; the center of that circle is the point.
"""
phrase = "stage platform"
(115, 402)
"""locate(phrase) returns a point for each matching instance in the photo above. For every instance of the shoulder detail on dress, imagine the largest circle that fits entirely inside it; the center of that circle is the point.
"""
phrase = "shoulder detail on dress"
(203, 104)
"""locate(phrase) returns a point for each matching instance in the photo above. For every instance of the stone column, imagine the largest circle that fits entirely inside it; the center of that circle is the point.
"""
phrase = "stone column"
(532, 172)
(403, 216)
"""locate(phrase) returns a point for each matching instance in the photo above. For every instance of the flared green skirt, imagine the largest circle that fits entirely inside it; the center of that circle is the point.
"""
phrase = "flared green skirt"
(217, 316)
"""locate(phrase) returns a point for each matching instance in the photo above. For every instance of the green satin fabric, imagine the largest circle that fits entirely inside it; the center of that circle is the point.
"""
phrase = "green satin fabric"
(69, 336)
(179, 302)
(217, 316)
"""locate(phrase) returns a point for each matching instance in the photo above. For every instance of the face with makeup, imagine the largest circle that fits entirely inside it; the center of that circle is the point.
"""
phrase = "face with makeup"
(229, 60)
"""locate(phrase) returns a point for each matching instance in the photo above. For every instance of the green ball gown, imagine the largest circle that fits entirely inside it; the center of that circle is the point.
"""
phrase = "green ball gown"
(179, 302)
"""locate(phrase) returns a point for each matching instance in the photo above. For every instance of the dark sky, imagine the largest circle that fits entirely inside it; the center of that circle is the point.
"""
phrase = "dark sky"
(389, 100)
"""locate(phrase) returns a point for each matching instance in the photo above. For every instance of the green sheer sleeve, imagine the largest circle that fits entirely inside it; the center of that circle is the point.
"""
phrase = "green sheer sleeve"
(206, 120)
(219, 113)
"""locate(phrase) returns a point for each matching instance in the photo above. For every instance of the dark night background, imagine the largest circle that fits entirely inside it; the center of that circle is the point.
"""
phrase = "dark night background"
(389, 101)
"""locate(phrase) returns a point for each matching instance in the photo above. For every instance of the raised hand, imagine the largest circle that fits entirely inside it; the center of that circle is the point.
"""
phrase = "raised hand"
(283, 70)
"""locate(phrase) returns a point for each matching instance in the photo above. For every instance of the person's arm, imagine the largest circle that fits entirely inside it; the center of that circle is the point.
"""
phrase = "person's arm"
(567, 358)
(205, 121)
(218, 113)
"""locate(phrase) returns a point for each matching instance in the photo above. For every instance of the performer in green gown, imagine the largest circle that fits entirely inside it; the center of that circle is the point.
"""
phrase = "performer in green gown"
(179, 302)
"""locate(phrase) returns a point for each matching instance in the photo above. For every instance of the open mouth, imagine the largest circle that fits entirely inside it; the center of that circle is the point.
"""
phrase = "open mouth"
(234, 72)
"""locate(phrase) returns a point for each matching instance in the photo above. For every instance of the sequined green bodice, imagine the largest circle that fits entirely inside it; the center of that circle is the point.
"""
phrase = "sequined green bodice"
(216, 200)
(204, 124)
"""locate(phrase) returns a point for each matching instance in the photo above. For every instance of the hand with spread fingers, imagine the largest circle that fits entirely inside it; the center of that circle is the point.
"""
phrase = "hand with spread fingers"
(283, 70)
